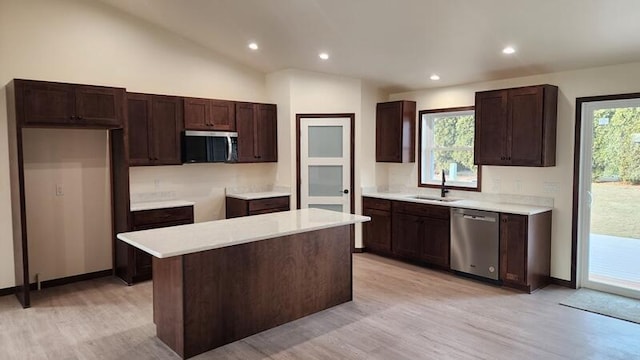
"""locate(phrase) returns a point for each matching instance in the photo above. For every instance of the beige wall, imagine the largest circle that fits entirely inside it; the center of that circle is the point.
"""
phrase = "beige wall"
(534, 181)
(306, 92)
(203, 184)
(87, 42)
(69, 234)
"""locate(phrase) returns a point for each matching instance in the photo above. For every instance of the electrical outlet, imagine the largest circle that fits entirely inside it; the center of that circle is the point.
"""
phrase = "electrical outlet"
(59, 190)
(156, 183)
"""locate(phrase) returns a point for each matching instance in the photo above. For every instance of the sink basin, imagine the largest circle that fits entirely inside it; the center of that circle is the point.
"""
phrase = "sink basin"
(433, 198)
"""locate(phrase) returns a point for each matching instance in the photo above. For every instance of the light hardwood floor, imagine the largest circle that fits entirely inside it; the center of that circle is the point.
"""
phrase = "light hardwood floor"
(399, 311)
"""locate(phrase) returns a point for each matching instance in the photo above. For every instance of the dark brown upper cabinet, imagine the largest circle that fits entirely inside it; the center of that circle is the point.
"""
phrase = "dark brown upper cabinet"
(155, 123)
(395, 131)
(516, 127)
(48, 104)
(257, 126)
(209, 114)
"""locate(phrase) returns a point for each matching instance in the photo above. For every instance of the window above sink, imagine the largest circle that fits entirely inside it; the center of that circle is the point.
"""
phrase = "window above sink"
(446, 139)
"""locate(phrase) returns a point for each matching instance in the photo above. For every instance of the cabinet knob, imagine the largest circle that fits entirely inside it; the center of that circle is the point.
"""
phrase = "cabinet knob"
(72, 117)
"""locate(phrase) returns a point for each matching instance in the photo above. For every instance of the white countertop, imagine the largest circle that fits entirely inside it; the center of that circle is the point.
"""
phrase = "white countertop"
(258, 195)
(187, 239)
(151, 205)
(518, 209)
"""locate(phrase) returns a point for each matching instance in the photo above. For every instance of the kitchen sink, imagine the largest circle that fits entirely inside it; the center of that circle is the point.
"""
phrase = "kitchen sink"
(433, 198)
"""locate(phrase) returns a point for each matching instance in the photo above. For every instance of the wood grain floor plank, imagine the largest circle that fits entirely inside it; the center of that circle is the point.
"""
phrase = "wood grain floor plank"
(399, 311)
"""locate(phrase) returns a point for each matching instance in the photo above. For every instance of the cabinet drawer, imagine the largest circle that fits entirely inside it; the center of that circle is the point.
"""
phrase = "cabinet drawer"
(433, 211)
(373, 203)
(269, 203)
(159, 216)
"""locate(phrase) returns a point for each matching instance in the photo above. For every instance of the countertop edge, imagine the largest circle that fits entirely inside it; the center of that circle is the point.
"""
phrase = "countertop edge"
(155, 205)
(123, 237)
(477, 204)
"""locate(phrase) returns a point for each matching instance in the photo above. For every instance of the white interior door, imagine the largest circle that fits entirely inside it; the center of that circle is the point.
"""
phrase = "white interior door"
(325, 163)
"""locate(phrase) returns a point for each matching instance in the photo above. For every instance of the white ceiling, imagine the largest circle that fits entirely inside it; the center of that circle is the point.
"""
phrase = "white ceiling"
(400, 43)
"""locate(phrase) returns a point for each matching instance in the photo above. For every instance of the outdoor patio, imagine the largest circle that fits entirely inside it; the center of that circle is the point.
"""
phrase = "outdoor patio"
(615, 260)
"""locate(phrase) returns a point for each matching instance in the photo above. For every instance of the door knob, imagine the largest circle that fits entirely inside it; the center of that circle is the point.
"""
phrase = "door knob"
(346, 191)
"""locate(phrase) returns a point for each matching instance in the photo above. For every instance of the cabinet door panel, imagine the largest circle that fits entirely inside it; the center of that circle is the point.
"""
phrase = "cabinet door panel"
(377, 232)
(98, 106)
(47, 103)
(196, 114)
(139, 116)
(245, 125)
(435, 245)
(407, 235)
(491, 128)
(267, 133)
(389, 132)
(165, 130)
(525, 107)
(222, 115)
(513, 248)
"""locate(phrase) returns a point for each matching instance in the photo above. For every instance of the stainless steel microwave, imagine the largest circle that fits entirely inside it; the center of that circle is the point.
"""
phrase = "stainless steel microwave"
(209, 146)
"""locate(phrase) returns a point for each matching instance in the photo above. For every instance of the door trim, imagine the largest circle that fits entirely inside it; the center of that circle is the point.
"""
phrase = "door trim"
(577, 151)
(352, 150)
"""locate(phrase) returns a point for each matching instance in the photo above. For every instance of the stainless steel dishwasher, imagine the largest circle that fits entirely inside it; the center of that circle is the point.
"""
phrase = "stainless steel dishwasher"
(475, 242)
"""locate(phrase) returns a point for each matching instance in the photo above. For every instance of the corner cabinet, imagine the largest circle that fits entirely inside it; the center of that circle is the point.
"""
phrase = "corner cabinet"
(134, 265)
(516, 127)
(154, 125)
(525, 250)
(395, 131)
(209, 114)
(48, 104)
(257, 126)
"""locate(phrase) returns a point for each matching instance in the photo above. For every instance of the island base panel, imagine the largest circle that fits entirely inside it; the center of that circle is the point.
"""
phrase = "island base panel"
(207, 299)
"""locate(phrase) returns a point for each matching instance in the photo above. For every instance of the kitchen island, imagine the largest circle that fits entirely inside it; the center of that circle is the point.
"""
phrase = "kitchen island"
(220, 281)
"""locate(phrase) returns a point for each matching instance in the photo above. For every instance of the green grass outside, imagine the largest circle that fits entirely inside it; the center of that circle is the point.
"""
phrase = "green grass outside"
(615, 209)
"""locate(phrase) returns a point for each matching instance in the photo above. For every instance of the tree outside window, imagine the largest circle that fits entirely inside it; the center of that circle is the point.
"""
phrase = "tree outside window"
(446, 145)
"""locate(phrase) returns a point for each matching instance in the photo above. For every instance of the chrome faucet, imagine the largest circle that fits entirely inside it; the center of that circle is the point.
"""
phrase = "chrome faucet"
(443, 189)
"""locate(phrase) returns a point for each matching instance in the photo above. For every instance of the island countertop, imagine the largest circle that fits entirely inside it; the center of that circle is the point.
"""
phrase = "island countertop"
(187, 239)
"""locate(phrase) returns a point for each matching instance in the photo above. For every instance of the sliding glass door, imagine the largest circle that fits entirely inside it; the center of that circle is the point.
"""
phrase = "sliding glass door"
(609, 206)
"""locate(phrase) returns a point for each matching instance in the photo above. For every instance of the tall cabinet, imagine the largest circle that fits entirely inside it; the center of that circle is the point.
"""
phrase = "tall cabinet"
(257, 132)
(155, 122)
(395, 131)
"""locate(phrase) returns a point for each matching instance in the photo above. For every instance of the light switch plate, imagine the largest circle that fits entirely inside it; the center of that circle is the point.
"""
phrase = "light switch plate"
(59, 190)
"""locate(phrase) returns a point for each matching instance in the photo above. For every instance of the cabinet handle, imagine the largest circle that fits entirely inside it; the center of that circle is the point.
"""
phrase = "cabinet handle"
(509, 158)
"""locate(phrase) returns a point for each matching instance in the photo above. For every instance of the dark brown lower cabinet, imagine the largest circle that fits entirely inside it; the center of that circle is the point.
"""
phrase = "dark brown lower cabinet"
(421, 232)
(239, 207)
(525, 250)
(376, 234)
(134, 265)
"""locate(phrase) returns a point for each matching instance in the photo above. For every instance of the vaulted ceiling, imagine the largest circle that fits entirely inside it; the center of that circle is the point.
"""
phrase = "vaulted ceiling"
(399, 44)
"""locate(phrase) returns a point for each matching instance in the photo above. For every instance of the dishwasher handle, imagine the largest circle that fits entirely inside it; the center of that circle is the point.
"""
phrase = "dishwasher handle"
(479, 218)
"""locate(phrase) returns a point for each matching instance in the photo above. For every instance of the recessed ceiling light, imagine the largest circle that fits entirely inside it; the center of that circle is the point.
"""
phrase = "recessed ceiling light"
(435, 77)
(508, 50)
(253, 46)
(323, 56)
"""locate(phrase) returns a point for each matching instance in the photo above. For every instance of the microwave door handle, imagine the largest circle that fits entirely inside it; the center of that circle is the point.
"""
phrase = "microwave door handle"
(229, 149)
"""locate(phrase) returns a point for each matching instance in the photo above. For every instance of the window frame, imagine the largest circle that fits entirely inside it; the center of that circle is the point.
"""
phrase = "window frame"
(421, 113)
